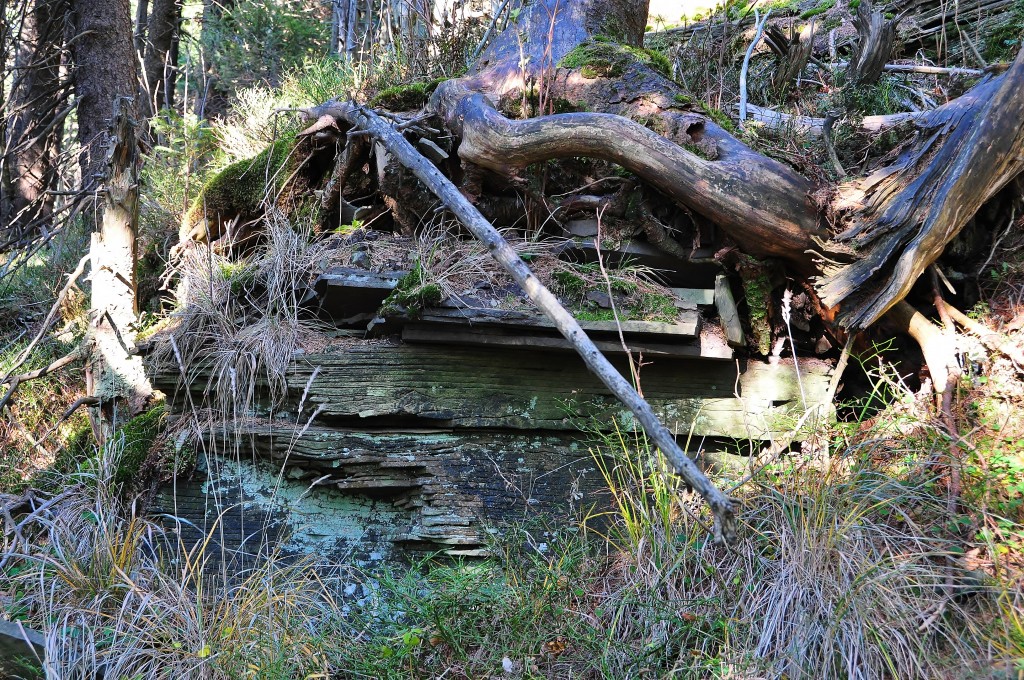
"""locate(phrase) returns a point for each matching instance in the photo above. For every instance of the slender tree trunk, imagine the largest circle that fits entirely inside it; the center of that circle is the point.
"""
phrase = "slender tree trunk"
(141, 23)
(160, 36)
(34, 132)
(106, 82)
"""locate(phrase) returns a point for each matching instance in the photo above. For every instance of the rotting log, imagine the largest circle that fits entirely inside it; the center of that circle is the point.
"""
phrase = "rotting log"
(900, 218)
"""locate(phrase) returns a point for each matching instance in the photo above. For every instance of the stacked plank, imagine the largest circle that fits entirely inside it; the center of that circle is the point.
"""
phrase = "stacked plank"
(420, 430)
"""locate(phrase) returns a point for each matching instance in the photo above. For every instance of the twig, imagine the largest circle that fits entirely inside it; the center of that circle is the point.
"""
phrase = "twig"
(611, 300)
(999, 241)
(760, 24)
(837, 375)
(15, 381)
(68, 412)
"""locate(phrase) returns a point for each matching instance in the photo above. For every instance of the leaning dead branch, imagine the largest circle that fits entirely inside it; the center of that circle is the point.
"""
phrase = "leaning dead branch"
(357, 116)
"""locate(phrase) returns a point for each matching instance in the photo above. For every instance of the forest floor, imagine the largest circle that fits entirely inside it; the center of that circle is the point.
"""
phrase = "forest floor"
(894, 548)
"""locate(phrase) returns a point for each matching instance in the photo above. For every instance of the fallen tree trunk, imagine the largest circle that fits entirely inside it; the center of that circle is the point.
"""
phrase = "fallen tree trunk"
(721, 505)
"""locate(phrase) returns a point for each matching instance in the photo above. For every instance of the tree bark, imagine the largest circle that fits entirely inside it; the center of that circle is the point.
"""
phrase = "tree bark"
(35, 131)
(875, 37)
(106, 82)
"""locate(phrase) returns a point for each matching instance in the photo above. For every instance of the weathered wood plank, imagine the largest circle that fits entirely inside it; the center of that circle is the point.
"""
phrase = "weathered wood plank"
(477, 387)
(695, 296)
(21, 651)
(494, 337)
(347, 292)
(728, 313)
(688, 324)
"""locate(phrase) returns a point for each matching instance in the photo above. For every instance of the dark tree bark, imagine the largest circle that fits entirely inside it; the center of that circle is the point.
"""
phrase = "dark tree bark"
(105, 70)
(875, 36)
(161, 35)
(106, 82)
(36, 122)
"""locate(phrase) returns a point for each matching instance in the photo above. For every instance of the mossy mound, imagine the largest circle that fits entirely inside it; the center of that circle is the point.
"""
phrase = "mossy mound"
(240, 190)
(601, 58)
(405, 97)
(413, 293)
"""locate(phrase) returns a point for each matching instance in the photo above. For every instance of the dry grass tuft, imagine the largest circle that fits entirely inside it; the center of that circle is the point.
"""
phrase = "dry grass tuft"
(844, 573)
(238, 322)
(120, 598)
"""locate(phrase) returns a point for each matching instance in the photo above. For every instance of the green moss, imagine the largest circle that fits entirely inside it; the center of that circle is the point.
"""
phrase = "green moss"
(405, 97)
(135, 439)
(240, 188)
(820, 9)
(722, 120)
(239, 274)
(566, 106)
(684, 99)
(653, 123)
(599, 58)
(412, 294)
(656, 307)
(757, 291)
(1005, 41)
(599, 314)
(697, 151)
(569, 284)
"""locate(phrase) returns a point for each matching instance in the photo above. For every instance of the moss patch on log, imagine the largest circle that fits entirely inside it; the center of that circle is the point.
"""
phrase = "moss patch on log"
(757, 289)
(601, 58)
(413, 292)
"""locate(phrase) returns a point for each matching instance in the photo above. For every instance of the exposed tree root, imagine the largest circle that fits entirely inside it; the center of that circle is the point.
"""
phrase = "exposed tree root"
(770, 212)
